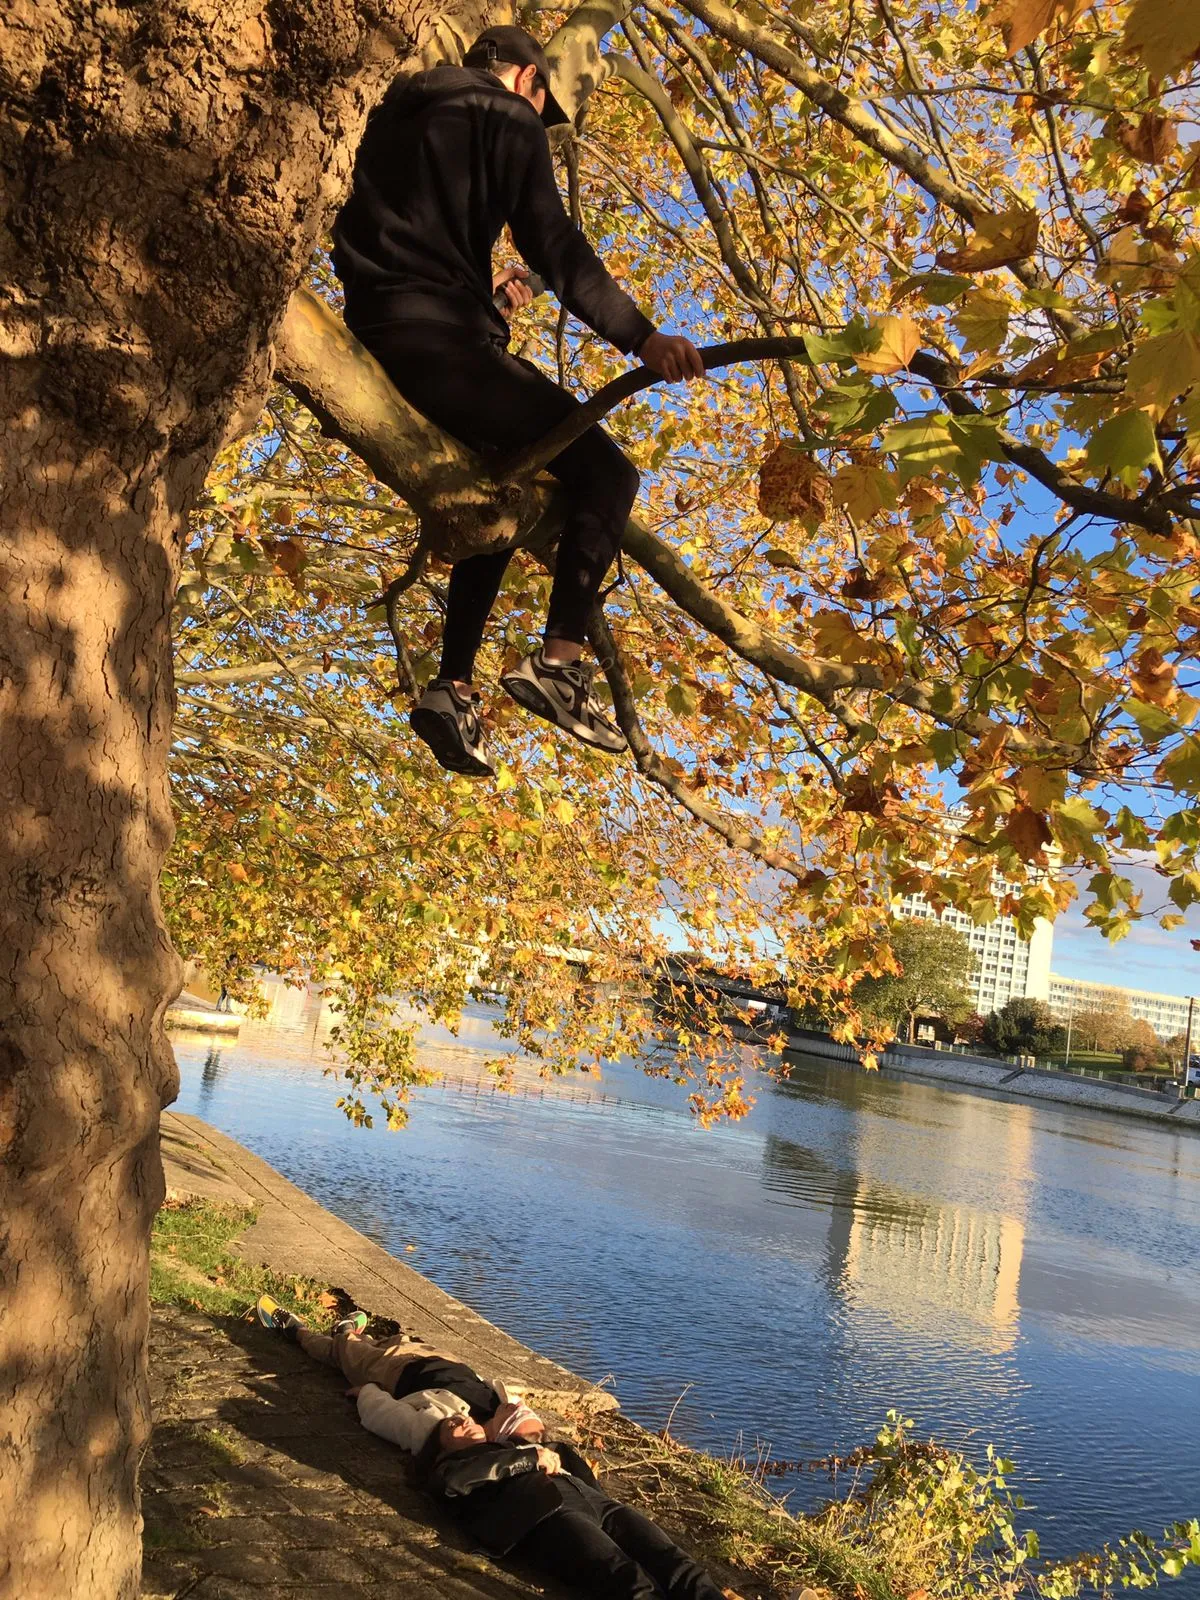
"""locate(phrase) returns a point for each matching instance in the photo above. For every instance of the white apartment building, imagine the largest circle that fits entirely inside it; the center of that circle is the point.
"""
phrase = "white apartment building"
(1166, 1013)
(1007, 967)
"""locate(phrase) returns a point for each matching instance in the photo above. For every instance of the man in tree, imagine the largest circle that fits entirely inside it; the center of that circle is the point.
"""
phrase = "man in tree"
(448, 159)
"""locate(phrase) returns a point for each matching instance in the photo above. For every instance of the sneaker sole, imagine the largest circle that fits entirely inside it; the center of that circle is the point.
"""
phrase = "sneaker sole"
(530, 698)
(442, 737)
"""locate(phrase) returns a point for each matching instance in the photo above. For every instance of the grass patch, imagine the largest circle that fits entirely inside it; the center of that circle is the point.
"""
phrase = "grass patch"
(192, 1264)
(728, 1515)
(222, 1448)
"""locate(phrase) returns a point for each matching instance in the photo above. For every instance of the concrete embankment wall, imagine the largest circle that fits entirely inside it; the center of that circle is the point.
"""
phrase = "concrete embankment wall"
(980, 1072)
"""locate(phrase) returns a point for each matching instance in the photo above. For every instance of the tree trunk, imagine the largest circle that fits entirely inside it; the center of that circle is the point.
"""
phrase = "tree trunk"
(165, 172)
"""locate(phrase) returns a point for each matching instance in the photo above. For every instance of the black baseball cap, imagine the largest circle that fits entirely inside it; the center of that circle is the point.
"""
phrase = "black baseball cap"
(516, 48)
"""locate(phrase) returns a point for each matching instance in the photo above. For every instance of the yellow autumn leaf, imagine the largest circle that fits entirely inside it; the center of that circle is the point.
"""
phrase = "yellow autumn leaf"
(998, 241)
(862, 490)
(1162, 368)
(1165, 33)
(899, 341)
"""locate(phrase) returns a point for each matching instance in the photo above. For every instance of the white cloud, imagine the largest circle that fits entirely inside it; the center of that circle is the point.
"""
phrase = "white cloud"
(1149, 957)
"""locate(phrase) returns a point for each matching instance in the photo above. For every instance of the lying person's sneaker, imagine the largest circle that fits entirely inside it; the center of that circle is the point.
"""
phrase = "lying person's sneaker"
(354, 1324)
(272, 1315)
(450, 724)
(562, 693)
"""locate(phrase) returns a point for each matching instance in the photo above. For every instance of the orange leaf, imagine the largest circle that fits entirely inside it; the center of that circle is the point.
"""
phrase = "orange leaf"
(1021, 21)
(1154, 678)
(1134, 208)
(791, 484)
(1028, 832)
(1151, 141)
(899, 341)
(998, 241)
(863, 585)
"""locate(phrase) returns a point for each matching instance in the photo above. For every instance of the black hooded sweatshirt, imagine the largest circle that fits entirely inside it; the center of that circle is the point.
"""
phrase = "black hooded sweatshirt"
(448, 158)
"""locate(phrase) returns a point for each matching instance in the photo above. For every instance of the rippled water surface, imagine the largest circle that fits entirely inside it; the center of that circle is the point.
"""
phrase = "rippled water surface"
(1025, 1275)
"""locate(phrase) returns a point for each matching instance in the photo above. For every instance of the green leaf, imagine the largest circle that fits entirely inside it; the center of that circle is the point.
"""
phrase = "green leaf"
(922, 443)
(978, 440)
(1184, 891)
(1134, 834)
(935, 288)
(823, 349)
(1110, 889)
(1124, 445)
(944, 744)
(681, 700)
(1181, 769)
(1076, 822)
(1153, 723)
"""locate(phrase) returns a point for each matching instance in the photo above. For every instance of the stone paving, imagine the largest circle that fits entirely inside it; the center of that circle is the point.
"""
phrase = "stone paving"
(261, 1483)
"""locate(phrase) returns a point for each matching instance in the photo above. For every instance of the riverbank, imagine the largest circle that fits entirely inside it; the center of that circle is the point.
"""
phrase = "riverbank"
(1002, 1077)
(260, 1481)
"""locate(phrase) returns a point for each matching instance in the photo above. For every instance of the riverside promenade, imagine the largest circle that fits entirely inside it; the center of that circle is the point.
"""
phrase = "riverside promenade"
(261, 1483)
(1009, 1081)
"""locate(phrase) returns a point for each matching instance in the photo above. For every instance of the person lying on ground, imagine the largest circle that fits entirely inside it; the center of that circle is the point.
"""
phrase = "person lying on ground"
(542, 1504)
(448, 158)
(403, 1390)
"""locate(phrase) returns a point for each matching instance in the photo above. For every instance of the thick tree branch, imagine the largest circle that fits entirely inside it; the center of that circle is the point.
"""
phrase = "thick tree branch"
(577, 66)
(357, 407)
(348, 392)
(251, 672)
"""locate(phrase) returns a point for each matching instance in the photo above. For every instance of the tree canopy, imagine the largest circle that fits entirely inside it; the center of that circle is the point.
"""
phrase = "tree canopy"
(1023, 1027)
(936, 964)
(932, 535)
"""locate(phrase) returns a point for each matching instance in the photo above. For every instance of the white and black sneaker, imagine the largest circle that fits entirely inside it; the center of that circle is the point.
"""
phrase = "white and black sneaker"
(563, 695)
(450, 725)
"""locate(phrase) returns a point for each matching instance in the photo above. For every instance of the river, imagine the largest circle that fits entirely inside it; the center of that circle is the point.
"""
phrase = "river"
(1025, 1275)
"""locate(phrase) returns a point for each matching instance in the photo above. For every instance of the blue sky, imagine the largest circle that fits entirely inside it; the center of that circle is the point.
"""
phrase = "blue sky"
(1149, 958)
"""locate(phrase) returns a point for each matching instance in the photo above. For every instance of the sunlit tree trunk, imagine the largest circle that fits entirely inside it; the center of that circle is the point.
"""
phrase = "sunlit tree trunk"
(164, 175)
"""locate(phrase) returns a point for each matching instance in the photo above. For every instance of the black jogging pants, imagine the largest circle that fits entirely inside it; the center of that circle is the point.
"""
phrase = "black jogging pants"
(490, 400)
(609, 1551)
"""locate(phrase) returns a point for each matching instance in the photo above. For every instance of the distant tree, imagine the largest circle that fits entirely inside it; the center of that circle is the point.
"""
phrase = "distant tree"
(969, 1029)
(1142, 1057)
(1107, 1026)
(936, 966)
(1023, 1027)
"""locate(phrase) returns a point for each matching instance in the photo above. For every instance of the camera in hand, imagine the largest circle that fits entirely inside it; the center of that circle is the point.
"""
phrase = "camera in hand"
(536, 286)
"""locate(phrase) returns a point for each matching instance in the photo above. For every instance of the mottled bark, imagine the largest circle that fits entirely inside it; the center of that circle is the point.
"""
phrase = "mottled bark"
(165, 172)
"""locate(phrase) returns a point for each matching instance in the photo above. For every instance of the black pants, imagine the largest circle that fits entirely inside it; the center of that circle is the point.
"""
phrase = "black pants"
(491, 400)
(603, 1548)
